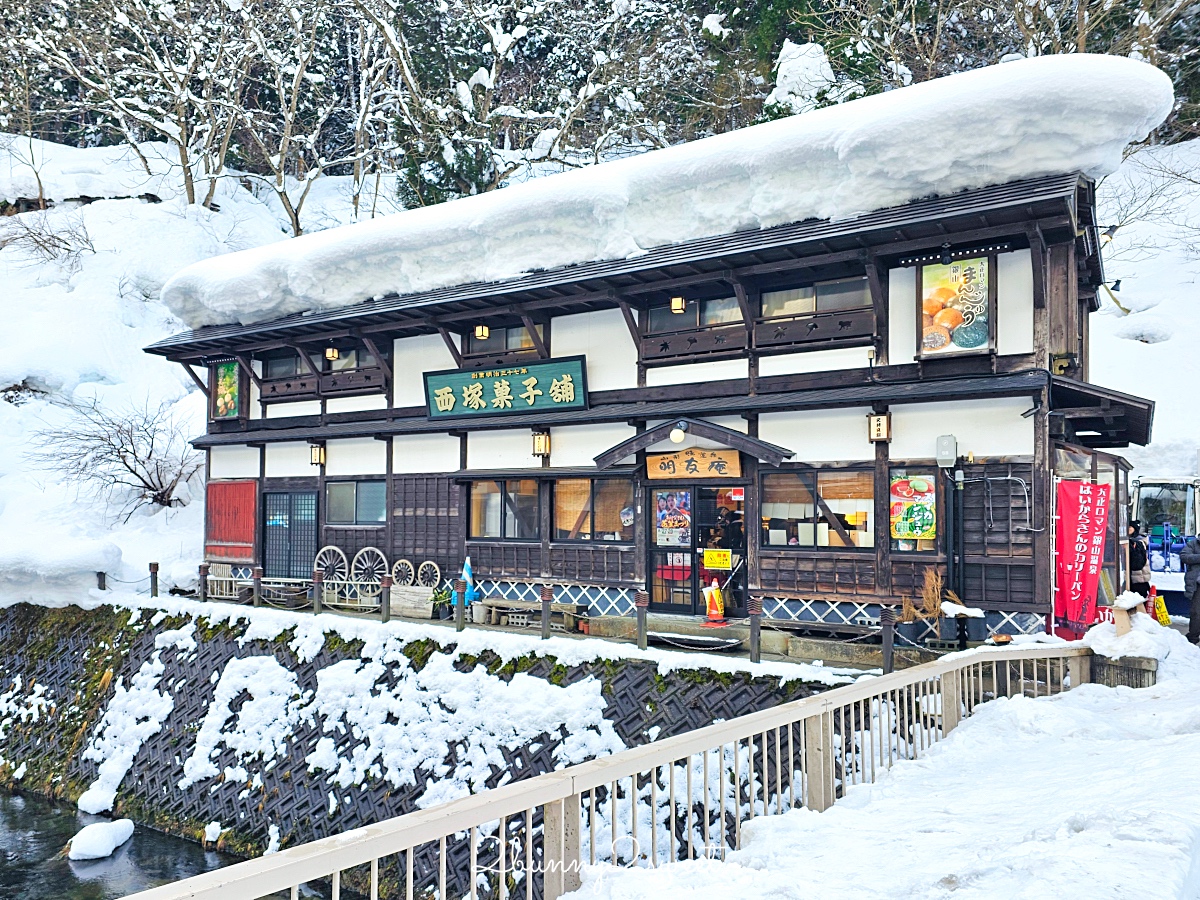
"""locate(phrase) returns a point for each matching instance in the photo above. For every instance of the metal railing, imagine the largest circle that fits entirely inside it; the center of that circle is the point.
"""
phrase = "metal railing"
(681, 798)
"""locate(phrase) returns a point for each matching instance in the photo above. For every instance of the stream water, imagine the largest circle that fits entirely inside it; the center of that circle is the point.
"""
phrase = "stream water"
(33, 832)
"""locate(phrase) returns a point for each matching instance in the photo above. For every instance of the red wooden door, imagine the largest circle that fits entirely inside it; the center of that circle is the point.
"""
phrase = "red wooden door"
(232, 516)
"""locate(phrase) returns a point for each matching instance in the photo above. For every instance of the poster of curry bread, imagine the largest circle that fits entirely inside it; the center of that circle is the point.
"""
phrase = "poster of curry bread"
(955, 307)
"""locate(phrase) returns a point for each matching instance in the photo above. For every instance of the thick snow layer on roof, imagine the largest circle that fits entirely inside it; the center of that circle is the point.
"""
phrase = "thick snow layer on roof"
(993, 125)
(31, 168)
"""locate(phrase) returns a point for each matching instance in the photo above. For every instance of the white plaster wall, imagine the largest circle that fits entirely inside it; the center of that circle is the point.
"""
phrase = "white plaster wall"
(580, 445)
(698, 373)
(356, 456)
(825, 435)
(502, 450)
(300, 408)
(417, 454)
(604, 338)
(354, 404)
(413, 356)
(734, 423)
(814, 361)
(290, 460)
(983, 427)
(237, 461)
(902, 315)
(1014, 302)
(255, 407)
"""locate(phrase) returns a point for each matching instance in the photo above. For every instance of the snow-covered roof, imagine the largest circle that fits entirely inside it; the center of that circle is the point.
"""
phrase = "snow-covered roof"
(1002, 123)
(32, 168)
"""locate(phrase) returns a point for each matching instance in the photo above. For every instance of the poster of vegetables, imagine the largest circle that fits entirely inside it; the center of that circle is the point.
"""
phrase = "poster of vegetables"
(913, 501)
(227, 401)
(954, 307)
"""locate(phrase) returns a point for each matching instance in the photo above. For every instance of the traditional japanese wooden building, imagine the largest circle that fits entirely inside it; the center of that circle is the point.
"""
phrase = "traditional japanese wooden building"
(839, 405)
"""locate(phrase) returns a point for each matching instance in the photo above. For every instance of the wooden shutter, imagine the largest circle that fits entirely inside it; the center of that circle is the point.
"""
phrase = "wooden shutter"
(232, 518)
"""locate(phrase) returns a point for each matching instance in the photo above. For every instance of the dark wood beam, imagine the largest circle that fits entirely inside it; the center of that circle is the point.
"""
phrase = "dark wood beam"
(1090, 412)
(630, 323)
(1037, 252)
(306, 359)
(244, 362)
(200, 383)
(879, 302)
(380, 360)
(450, 345)
(531, 329)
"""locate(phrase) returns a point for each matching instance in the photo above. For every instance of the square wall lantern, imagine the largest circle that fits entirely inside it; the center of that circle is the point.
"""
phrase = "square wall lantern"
(316, 454)
(678, 305)
(541, 444)
(331, 353)
(482, 332)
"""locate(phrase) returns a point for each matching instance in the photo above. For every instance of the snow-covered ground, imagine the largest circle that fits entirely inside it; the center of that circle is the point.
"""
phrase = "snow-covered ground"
(1091, 793)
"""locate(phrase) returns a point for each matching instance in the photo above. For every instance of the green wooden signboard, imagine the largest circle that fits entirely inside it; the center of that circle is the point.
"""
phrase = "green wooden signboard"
(534, 387)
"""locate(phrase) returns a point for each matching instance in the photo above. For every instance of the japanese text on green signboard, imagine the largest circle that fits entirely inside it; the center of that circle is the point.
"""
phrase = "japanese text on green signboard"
(548, 384)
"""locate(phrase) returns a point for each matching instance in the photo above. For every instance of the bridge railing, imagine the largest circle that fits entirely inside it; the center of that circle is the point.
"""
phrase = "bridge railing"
(681, 798)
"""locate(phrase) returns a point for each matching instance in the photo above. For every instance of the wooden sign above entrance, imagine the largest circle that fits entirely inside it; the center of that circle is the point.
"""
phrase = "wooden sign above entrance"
(694, 463)
(533, 387)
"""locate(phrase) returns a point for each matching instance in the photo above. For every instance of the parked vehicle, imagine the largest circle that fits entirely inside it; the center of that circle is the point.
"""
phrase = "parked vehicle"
(1166, 507)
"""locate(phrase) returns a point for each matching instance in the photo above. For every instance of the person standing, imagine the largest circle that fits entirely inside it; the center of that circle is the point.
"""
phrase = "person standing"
(1190, 557)
(1139, 560)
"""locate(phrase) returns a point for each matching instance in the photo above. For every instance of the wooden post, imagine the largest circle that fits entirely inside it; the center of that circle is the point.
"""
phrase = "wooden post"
(819, 760)
(100, 581)
(385, 598)
(1079, 670)
(547, 599)
(641, 602)
(153, 579)
(754, 606)
(951, 701)
(460, 601)
(561, 840)
(887, 623)
(203, 582)
(256, 577)
(318, 588)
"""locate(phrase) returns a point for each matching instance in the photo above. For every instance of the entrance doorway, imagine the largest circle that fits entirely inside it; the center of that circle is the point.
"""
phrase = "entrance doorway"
(290, 535)
(689, 519)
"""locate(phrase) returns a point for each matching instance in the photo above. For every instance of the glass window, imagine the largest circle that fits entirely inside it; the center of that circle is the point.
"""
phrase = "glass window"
(487, 499)
(819, 509)
(845, 293)
(355, 502)
(339, 503)
(722, 311)
(500, 340)
(573, 510)
(281, 367)
(912, 500)
(520, 339)
(371, 502)
(601, 510)
(615, 514)
(505, 509)
(792, 302)
(663, 320)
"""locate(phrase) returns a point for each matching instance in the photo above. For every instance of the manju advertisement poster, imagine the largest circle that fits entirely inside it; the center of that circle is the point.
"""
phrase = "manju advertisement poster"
(955, 307)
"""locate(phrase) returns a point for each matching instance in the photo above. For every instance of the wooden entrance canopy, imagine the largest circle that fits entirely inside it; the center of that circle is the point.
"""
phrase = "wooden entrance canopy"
(771, 454)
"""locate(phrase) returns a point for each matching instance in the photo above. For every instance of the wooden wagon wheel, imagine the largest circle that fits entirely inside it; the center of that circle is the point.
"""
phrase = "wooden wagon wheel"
(331, 563)
(429, 575)
(367, 570)
(403, 573)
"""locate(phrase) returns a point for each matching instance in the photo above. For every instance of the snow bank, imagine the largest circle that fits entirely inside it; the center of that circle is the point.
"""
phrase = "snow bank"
(100, 840)
(1176, 657)
(31, 168)
(1091, 793)
(1033, 117)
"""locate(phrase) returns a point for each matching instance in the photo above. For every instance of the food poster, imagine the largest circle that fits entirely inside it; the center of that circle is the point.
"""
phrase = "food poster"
(227, 401)
(673, 518)
(913, 501)
(954, 307)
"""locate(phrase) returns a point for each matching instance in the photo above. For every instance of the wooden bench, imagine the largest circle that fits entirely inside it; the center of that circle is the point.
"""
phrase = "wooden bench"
(570, 613)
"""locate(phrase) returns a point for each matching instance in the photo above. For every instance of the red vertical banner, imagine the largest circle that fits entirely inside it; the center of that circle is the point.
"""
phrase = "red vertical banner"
(1079, 550)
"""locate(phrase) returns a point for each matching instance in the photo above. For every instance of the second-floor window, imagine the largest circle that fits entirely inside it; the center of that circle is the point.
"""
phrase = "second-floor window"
(352, 358)
(822, 297)
(695, 314)
(502, 340)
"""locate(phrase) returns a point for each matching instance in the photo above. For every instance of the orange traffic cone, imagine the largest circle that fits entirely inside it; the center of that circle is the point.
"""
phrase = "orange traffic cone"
(715, 605)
